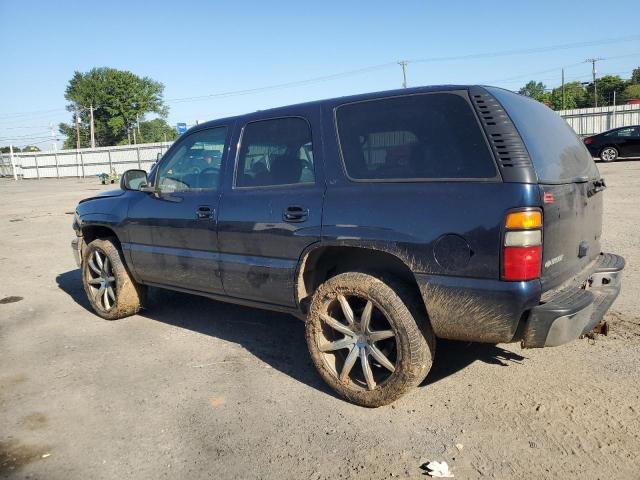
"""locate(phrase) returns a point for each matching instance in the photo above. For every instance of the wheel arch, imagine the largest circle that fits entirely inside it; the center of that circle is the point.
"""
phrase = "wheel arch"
(92, 231)
(324, 261)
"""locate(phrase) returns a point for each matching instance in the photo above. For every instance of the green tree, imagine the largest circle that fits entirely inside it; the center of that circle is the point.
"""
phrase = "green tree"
(536, 90)
(635, 76)
(630, 92)
(30, 148)
(157, 130)
(119, 98)
(575, 96)
(606, 86)
(8, 150)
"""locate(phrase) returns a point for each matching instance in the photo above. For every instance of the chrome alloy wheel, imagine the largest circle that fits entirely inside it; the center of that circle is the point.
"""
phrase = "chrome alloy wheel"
(101, 280)
(367, 337)
(608, 154)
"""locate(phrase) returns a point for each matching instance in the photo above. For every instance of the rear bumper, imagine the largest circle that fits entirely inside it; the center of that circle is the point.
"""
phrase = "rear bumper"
(574, 311)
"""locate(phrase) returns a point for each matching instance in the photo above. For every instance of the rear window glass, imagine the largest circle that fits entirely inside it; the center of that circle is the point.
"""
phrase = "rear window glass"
(558, 155)
(425, 136)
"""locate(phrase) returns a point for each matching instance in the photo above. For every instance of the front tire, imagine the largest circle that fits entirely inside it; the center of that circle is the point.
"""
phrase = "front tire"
(111, 290)
(369, 339)
(609, 154)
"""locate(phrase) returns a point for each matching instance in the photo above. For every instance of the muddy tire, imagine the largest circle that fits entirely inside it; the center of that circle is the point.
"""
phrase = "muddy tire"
(369, 339)
(110, 288)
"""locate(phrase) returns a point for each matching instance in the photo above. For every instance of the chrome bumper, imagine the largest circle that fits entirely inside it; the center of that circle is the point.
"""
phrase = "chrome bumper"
(574, 311)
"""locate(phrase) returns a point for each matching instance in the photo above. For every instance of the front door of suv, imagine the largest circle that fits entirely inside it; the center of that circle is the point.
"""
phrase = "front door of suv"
(272, 206)
(173, 233)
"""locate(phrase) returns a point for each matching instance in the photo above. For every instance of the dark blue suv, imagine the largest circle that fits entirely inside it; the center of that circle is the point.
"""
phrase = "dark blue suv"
(384, 220)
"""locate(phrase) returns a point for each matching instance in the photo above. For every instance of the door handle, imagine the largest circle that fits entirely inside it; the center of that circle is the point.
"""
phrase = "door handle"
(295, 213)
(205, 212)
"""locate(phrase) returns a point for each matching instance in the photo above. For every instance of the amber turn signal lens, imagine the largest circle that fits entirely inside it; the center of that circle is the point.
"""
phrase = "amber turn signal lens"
(524, 220)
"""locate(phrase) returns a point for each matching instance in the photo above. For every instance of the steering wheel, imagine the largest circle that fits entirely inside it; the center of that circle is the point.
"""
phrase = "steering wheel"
(195, 170)
(205, 170)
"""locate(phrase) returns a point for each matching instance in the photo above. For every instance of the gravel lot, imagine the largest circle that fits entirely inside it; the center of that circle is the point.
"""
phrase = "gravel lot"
(192, 388)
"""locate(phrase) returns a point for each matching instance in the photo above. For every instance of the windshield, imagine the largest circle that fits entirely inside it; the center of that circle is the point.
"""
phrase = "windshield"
(558, 155)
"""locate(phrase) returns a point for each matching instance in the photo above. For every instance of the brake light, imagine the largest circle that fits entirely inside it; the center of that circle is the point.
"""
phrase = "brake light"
(588, 141)
(522, 263)
(522, 247)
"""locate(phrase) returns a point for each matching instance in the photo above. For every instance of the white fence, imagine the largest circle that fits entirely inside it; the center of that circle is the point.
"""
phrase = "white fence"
(85, 162)
(589, 121)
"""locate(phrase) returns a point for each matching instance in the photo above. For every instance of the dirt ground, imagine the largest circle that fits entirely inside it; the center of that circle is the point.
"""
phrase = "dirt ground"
(192, 388)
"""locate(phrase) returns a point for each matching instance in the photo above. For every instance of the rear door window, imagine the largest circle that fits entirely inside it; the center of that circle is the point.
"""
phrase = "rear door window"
(275, 152)
(413, 137)
(557, 153)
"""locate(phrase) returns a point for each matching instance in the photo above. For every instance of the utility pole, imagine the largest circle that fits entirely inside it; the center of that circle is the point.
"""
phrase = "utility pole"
(54, 143)
(93, 134)
(138, 125)
(614, 111)
(403, 64)
(563, 89)
(135, 142)
(77, 130)
(13, 163)
(593, 61)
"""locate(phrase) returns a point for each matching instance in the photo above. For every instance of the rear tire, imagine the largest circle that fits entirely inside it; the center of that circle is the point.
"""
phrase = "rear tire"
(369, 339)
(111, 290)
(609, 154)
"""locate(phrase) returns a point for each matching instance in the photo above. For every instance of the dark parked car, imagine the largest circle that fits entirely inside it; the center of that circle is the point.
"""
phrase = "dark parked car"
(617, 143)
(384, 220)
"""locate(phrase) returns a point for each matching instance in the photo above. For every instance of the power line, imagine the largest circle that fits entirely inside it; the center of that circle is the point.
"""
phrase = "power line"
(282, 85)
(420, 60)
(44, 113)
(527, 51)
(21, 114)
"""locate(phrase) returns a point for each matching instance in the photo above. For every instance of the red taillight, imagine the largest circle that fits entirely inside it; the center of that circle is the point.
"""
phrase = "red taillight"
(588, 141)
(522, 245)
(521, 263)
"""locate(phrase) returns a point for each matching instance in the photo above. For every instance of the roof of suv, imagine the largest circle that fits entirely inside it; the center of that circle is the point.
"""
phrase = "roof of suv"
(345, 99)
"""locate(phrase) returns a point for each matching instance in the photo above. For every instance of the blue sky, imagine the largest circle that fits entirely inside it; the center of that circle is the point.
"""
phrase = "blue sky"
(200, 48)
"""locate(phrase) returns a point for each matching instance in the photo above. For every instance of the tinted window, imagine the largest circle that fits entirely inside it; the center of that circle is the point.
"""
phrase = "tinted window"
(412, 137)
(624, 132)
(194, 163)
(557, 153)
(275, 152)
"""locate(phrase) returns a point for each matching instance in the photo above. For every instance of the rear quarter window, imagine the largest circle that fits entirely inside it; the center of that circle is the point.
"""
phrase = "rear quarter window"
(413, 137)
(558, 155)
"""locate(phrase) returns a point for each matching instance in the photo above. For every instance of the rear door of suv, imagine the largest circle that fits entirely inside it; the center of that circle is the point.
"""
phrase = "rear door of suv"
(272, 205)
(569, 183)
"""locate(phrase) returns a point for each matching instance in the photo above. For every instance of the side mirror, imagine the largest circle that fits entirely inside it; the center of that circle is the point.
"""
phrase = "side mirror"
(133, 179)
(158, 157)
